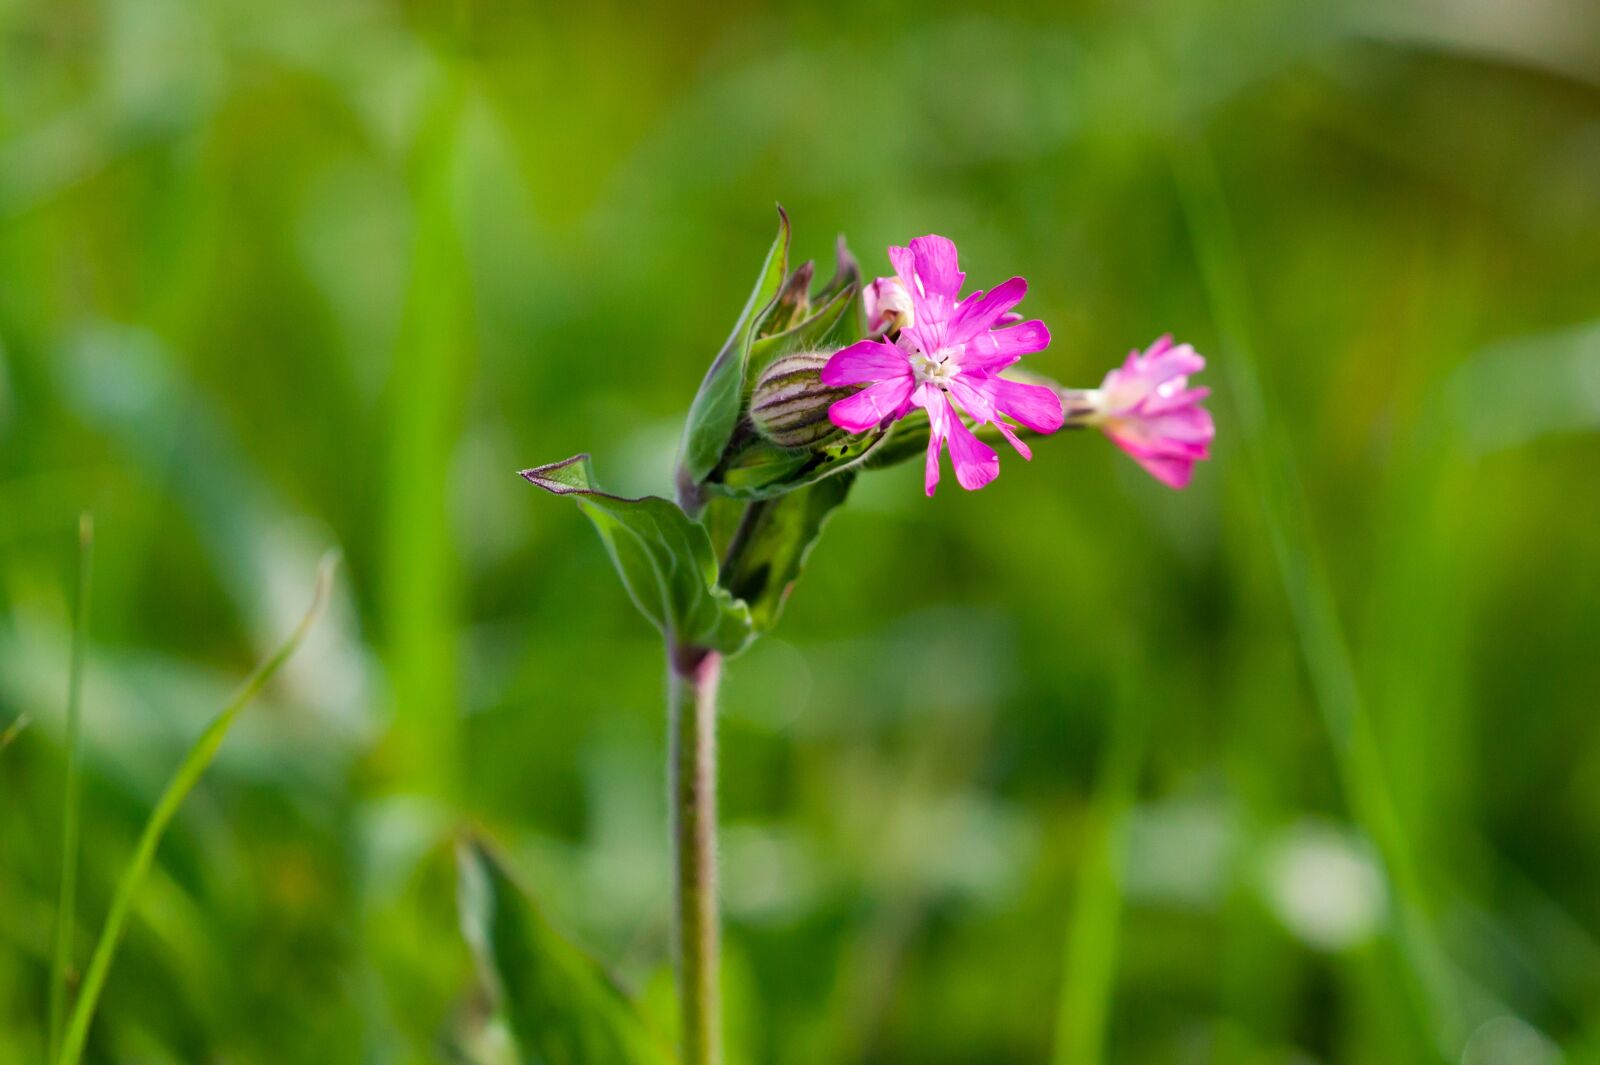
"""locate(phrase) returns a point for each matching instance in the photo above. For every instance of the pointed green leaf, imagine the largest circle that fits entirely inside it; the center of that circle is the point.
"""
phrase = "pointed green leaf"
(715, 410)
(562, 1008)
(664, 559)
(771, 550)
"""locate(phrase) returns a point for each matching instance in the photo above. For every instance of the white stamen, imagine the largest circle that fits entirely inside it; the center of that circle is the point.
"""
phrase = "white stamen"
(937, 368)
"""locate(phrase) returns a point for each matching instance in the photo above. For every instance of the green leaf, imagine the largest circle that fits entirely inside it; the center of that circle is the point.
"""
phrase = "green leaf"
(770, 550)
(663, 556)
(562, 1008)
(716, 407)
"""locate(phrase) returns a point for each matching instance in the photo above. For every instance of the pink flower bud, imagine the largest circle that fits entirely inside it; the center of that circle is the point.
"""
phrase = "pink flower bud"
(888, 305)
(789, 406)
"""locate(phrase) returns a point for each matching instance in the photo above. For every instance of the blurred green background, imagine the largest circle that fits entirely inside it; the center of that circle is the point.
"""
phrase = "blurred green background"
(1299, 765)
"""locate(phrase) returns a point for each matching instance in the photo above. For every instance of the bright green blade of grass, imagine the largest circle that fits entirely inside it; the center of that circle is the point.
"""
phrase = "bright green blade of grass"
(1321, 637)
(189, 771)
(1089, 974)
(419, 578)
(66, 906)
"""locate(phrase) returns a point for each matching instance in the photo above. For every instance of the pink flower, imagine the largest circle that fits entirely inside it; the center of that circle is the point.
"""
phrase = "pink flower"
(1148, 409)
(888, 305)
(950, 351)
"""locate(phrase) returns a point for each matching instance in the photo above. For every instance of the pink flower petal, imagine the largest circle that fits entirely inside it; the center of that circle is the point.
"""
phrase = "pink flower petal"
(863, 362)
(872, 405)
(980, 399)
(939, 271)
(981, 311)
(1172, 469)
(1036, 406)
(976, 462)
(939, 418)
(993, 351)
(1014, 440)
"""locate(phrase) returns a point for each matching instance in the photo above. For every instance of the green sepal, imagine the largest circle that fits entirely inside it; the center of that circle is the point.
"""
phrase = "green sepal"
(792, 304)
(759, 464)
(663, 556)
(846, 273)
(758, 471)
(714, 414)
(826, 330)
(562, 1007)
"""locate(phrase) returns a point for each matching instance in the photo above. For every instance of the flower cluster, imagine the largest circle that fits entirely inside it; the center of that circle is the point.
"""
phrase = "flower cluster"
(936, 351)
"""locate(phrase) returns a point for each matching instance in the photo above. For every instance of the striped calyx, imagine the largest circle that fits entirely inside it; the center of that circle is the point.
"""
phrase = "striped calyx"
(790, 404)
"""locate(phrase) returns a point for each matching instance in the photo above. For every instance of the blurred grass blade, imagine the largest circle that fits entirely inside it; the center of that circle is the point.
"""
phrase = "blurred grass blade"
(183, 781)
(67, 902)
(563, 1010)
(1426, 972)
(430, 370)
(1089, 972)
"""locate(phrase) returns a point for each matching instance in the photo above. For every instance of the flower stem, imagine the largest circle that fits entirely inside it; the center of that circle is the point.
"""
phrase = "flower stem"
(692, 783)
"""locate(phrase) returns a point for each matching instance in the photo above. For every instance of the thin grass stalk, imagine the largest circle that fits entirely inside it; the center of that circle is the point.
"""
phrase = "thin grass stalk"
(67, 900)
(194, 763)
(1083, 1009)
(1323, 646)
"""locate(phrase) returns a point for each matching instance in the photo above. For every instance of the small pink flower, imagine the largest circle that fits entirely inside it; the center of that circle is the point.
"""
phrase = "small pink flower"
(1148, 409)
(949, 351)
(888, 305)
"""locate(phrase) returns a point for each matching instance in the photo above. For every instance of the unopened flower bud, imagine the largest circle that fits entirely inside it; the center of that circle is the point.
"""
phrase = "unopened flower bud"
(790, 403)
(888, 305)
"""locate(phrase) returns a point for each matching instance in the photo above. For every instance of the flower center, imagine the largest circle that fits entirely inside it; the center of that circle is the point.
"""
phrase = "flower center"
(937, 368)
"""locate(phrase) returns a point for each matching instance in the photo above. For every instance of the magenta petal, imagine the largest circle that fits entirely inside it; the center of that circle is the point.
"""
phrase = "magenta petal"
(863, 362)
(975, 396)
(939, 418)
(995, 350)
(1174, 471)
(1036, 406)
(938, 269)
(981, 312)
(976, 462)
(1189, 426)
(1014, 440)
(1180, 361)
(872, 405)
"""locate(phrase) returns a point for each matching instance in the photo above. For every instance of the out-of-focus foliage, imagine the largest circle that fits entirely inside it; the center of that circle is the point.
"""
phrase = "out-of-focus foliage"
(1298, 765)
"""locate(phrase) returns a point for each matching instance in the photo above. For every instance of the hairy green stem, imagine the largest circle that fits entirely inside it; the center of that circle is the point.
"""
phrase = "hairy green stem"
(692, 796)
